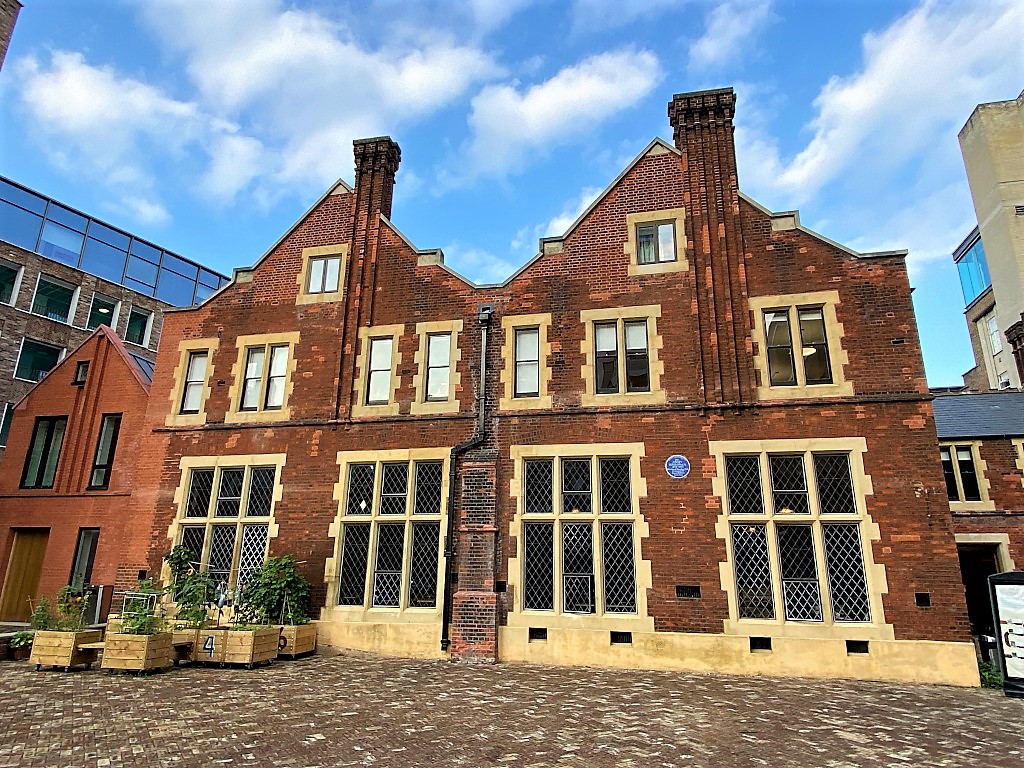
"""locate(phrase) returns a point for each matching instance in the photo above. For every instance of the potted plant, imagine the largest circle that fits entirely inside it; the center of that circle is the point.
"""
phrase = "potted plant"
(20, 645)
(61, 639)
(140, 644)
(190, 589)
(277, 593)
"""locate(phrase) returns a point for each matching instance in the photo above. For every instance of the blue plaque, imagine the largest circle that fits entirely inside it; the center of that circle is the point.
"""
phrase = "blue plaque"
(677, 466)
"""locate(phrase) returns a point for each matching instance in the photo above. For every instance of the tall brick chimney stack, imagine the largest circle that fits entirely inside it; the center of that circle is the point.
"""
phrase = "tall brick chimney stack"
(377, 162)
(702, 130)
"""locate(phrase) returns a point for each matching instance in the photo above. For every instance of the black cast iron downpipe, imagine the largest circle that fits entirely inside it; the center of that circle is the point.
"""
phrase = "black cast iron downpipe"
(483, 315)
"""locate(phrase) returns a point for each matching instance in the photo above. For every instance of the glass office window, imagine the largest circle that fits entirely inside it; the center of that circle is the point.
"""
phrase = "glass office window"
(36, 360)
(103, 260)
(60, 243)
(19, 227)
(973, 269)
(175, 289)
(22, 197)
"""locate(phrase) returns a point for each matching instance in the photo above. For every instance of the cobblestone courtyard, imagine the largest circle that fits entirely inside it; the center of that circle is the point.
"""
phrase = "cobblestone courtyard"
(363, 710)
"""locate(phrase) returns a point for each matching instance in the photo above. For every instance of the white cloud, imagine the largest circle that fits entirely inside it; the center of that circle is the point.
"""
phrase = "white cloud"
(476, 264)
(526, 239)
(728, 28)
(597, 15)
(920, 80)
(508, 122)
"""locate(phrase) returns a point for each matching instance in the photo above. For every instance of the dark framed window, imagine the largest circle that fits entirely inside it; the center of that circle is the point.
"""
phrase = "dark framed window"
(606, 358)
(5, 422)
(44, 452)
(781, 370)
(797, 360)
(263, 381)
(635, 369)
(960, 474)
(54, 299)
(324, 275)
(195, 380)
(36, 360)
(438, 365)
(102, 311)
(527, 361)
(81, 372)
(106, 445)
(138, 330)
(85, 554)
(655, 243)
(8, 281)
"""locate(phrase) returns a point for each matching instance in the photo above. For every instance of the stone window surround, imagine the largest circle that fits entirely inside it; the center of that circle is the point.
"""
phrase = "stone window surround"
(174, 416)
(589, 317)
(1001, 542)
(332, 566)
(302, 279)
(875, 574)
(422, 406)
(234, 414)
(247, 461)
(980, 470)
(834, 335)
(675, 216)
(517, 616)
(1018, 444)
(509, 323)
(366, 333)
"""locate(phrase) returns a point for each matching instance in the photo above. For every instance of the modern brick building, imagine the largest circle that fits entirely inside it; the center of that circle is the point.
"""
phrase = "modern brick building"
(66, 481)
(689, 434)
(63, 274)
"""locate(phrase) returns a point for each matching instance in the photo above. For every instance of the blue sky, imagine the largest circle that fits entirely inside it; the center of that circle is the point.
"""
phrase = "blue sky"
(210, 127)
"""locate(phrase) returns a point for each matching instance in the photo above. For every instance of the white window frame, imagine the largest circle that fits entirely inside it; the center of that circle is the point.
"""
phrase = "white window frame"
(21, 349)
(19, 270)
(323, 287)
(114, 315)
(149, 325)
(75, 291)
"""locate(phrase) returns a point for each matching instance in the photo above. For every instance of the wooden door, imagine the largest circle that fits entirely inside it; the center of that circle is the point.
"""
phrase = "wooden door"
(23, 570)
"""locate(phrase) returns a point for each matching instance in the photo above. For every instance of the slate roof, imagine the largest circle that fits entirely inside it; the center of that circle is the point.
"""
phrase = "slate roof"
(990, 414)
(145, 366)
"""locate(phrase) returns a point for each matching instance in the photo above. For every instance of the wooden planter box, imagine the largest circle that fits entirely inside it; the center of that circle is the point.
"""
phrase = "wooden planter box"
(185, 643)
(296, 640)
(137, 653)
(61, 649)
(233, 646)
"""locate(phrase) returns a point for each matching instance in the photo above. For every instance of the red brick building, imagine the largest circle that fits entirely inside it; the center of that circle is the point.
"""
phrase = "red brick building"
(690, 433)
(66, 480)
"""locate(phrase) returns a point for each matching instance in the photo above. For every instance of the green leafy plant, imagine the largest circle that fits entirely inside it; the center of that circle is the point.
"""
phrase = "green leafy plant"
(190, 588)
(276, 593)
(42, 616)
(21, 639)
(990, 677)
(71, 607)
(140, 613)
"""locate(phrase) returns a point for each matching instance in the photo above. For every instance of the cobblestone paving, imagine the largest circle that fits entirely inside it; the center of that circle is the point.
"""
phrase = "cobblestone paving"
(362, 710)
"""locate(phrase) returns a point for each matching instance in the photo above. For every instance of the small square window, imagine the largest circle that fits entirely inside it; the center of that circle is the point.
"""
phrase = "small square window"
(54, 299)
(81, 371)
(656, 243)
(139, 327)
(923, 599)
(324, 275)
(103, 311)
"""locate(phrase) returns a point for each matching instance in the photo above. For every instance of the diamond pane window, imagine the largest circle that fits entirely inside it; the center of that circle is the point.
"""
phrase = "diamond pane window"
(844, 560)
(835, 486)
(743, 478)
(229, 493)
(619, 567)
(576, 493)
(754, 596)
(199, 492)
(798, 570)
(577, 568)
(355, 548)
(538, 479)
(789, 485)
(538, 570)
(429, 475)
(387, 572)
(393, 489)
(222, 550)
(616, 498)
(193, 538)
(261, 492)
(253, 550)
(423, 568)
(360, 489)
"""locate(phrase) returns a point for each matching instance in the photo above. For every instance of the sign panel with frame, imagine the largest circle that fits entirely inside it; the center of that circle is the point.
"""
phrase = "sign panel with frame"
(1006, 591)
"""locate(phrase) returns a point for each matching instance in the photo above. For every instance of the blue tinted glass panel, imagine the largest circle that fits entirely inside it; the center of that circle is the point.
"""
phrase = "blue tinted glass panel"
(103, 261)
(206, 277)
(69, 219)
(61, 243)
(20, 197)
(203, 292)
(148, 252)
(19, 227)
(135, 285)
(180, 266)
(142, 271)
(175, 289)
(109, 236)
(973, 269)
